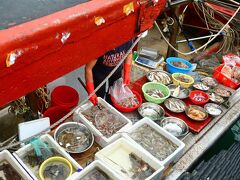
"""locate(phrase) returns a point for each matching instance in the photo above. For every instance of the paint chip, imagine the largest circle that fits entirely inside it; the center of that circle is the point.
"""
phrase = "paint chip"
(99, 20)
(12, 57)
(65, 36)
(128, 8)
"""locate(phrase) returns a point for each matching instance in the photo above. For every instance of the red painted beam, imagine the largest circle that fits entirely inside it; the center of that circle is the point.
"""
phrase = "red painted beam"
(41, 54)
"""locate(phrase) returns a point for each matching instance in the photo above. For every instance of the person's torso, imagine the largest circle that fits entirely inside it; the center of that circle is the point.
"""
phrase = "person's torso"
(109, 60)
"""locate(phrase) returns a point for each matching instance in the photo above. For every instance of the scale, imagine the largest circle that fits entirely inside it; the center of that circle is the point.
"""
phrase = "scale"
(148, 57)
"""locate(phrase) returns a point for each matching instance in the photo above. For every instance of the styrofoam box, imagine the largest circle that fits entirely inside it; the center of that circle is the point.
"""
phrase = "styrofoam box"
(103, 154)
(7, 156)
(96, 164)
(171, 158)
(99, 138)
(19, 154)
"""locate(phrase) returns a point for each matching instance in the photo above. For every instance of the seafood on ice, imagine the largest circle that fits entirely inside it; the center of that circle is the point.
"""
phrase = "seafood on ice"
(159, 76)
(106, 121)
(155, 143)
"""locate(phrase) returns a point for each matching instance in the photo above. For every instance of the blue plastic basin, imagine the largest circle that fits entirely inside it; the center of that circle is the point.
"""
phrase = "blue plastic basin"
(173, 69)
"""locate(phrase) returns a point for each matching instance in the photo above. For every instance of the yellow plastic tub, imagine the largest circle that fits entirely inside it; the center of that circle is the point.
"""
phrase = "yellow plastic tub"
(55, 159)
(181, 83)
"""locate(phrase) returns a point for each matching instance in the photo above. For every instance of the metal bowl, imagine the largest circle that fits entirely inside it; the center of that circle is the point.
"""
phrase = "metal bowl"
(213, 109)
(151, 110)
(160, 81)
(216, 98)
(171, 102)
(197, 108)
(79, 133)
(201, 86)
(227, 93)
(210, 82)
(175, 126)
(184, 93)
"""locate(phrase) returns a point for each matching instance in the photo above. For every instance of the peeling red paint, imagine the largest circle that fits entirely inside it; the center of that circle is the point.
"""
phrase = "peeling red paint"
(52, 58)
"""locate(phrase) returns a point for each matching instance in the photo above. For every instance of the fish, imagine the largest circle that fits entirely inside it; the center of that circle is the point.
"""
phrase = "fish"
(158, 76)
(201, 86)
(156, 93)
(176, 92)
(175, 105)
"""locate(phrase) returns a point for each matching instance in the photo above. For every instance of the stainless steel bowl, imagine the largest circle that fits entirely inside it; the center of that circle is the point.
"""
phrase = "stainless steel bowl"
(184, 93)
(80, 128)
(213, 109)
(161, 71)
(197, 108)
(175, 126)
(171, 102)
(151, 110)
(210, 82)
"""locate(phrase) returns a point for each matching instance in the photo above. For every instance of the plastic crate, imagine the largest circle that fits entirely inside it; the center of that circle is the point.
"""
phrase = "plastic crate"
(7, 156)
(19, 155)
(95, 164)
(221, 78)
(172, 157)
(124, 147)
(99, 137)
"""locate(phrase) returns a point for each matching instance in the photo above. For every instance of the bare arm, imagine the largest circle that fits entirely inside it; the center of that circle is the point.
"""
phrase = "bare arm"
(88, 71)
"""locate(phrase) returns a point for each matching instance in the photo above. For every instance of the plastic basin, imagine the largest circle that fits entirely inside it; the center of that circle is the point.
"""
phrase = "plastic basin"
(173, 69)
(153, 85)
(55, 159)
(181, 83)
(127, 109)
(198, 92)
(65, 96)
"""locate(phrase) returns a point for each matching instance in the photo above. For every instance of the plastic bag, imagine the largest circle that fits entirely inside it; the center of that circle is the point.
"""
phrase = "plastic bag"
(120, 91)
(227, 71)
(231, 59)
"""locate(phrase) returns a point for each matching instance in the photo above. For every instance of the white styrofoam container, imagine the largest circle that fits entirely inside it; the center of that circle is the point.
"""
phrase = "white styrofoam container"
(103, 154)
(99, 137)
(5, 155)
(171, 158)
(96, 164)
(19, 154)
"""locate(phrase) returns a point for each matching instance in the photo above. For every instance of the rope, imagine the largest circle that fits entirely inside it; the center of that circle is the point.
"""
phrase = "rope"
(196, 50)
(74, 109)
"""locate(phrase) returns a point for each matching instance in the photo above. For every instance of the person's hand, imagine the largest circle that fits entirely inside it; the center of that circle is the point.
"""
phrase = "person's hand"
(90, 89)
(127, 70)
(94, 99)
